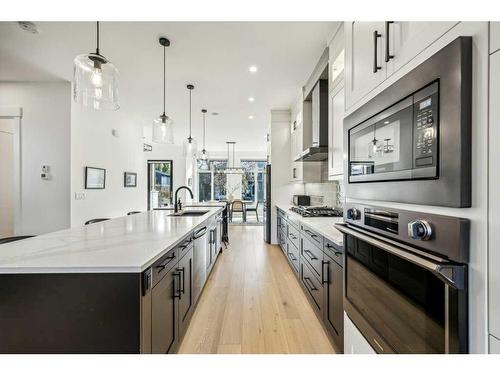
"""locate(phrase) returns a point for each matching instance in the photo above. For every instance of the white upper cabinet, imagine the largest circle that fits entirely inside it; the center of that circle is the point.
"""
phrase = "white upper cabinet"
(335, 133)
(365, 68)
(405, 40)
(494, 36)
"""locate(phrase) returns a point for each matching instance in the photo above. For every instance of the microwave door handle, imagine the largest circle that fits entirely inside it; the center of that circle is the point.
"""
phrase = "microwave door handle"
(450, 273)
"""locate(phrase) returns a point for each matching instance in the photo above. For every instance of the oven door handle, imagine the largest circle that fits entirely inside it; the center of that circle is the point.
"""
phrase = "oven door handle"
(450, 273)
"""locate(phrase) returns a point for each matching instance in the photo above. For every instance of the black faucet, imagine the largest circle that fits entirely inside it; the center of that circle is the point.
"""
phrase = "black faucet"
(177, 204)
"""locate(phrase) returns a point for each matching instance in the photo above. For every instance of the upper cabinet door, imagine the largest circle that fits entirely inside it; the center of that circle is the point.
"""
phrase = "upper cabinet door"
(405, 40)
(494, 36)
(365, 67)
(335, 132)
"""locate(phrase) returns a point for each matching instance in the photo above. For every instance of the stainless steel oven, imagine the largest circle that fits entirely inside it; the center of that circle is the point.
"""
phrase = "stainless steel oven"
(412, 142)
(406, 279)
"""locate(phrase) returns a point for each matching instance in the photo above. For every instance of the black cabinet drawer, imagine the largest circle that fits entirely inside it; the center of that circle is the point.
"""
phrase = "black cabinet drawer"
(314, 237)
(293, 235)
(293, 256)
(312, 255)
(334, 251)
(161, 267)
(312, 285)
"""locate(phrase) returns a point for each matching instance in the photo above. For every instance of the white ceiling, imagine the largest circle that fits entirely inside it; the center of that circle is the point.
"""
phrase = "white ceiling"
(214, 56)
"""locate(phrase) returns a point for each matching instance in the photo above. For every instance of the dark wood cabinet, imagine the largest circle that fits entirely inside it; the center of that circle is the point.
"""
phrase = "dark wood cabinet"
(164, 313)
(333, 308)
(186, 302)
(313, 287)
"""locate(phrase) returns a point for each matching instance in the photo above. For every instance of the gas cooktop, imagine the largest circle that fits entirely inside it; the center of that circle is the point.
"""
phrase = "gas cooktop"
(317, 211)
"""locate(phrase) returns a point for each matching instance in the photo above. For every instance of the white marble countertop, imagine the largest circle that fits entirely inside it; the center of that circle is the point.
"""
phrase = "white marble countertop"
(125, 244)
(322, 225)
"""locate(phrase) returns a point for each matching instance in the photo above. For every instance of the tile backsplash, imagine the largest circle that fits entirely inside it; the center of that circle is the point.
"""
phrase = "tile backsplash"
(326, 193)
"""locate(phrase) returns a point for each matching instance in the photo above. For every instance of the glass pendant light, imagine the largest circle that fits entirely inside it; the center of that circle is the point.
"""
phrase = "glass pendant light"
(95, 81)
(163, 126)
(231, 169)
(204, 153)
(190, 144)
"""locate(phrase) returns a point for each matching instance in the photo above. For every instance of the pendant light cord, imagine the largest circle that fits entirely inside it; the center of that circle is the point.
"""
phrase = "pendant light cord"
(190, 113)
(164, 70)
(97, 49)
(204, 131)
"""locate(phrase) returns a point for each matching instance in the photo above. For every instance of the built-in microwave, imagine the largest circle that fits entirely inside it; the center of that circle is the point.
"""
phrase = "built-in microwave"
(412, 142)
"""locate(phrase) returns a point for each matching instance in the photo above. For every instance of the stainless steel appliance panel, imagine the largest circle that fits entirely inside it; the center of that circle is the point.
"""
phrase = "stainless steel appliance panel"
(439, 171)
(199, 260)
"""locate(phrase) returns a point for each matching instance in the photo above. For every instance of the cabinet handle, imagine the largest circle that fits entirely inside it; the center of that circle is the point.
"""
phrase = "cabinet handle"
(165, 264)
(376, 35)
(323, 264)
(388, 56)
(177, 292)
(338, 253)
(313, 235)
(311, 255)
(293, 237)
(308, 283)
(181, 289)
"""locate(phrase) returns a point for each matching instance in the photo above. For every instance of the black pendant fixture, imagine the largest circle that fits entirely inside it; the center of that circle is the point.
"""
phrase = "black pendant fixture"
(190, 144)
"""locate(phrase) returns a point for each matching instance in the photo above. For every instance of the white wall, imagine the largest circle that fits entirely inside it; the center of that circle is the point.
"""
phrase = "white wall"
(45, 140)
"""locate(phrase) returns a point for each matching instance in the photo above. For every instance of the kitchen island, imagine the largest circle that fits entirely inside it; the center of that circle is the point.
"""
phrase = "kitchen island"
(126, 285)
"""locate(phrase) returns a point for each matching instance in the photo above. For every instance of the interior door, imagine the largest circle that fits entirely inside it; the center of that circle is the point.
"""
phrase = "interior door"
(7, 178)
(164, 305)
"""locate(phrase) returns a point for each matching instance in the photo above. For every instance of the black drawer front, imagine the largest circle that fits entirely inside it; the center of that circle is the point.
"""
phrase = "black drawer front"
(312, 255)
(293, 235)
(282, 241)
(313, 286)
(293, 256)
(334, 251)
(312, 236)
(185, 246)
(161, 267)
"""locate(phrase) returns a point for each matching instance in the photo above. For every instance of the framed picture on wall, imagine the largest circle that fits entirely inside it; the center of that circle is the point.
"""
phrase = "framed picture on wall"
(95, 178)
(130, 179)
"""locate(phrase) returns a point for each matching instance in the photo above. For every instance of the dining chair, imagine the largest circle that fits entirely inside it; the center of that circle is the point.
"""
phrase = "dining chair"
(238, 206)
(13, 238)
(92, 221)
(254, 209)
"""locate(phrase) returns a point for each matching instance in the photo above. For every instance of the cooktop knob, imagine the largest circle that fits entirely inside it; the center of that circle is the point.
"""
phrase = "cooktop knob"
(419, 230)
(353, 214)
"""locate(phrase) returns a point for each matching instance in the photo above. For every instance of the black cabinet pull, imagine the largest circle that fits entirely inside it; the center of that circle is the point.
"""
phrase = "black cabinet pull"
(308, 283)
(177, 292)
(376, 35)
(323, 264)
(310, 254)
(291, 256)
(388, 56)
(181, 287)
(313, 235)
(338, 253)
(200, 232)
(165, 264)
(293, 237)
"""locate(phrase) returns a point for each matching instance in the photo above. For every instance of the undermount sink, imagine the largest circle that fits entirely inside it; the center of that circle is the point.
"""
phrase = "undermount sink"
(189, 213)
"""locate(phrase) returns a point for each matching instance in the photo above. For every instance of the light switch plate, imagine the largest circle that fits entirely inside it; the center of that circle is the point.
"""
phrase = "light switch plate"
(79, 196)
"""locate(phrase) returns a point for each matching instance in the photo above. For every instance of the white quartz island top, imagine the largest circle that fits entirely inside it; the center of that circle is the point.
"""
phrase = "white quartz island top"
(125, 244)
(322, 225)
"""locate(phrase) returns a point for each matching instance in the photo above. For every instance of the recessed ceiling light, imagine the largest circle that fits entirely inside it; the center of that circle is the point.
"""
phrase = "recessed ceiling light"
(253, 69)
(251, 99)
(28, 26)
(250, 117)
(215, 113)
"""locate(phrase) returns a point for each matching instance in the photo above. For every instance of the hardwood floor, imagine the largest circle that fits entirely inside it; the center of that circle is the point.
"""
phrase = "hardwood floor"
(252, 303)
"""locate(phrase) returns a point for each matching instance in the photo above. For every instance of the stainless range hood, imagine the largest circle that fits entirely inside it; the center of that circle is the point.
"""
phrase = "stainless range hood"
(318, 150)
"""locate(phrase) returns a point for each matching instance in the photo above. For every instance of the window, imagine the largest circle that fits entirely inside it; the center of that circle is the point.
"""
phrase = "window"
(252, 180)
(160, 183)
(212, 183)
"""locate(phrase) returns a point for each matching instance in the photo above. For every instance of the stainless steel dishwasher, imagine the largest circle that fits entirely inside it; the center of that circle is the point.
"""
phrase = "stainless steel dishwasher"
(199, 260)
